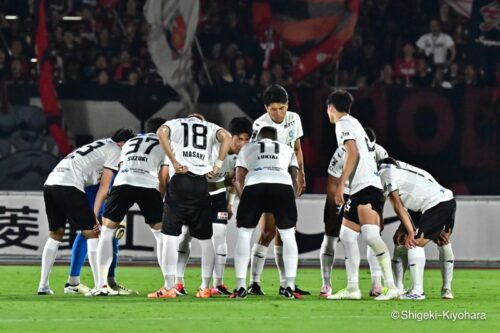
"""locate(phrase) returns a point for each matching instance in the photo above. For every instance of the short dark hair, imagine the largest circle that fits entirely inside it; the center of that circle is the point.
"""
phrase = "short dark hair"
(371, 134)
(196, 115)
(341, 99)
(153, 124)
(123, 134)
(268, 132)
(388, 160)
(275, 94)
(240, 125)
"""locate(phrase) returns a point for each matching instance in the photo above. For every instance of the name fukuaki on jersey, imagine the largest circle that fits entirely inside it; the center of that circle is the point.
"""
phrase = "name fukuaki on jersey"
(273, 157)
(193, 154)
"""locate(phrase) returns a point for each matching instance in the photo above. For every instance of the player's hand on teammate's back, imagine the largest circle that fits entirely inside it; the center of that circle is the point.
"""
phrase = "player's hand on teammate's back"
(339, 194)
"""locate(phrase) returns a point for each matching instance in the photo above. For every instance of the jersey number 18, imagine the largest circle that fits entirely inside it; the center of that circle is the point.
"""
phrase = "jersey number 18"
(198, 137)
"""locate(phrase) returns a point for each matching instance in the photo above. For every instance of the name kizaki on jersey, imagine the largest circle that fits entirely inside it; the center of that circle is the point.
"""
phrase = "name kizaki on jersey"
(193, 154)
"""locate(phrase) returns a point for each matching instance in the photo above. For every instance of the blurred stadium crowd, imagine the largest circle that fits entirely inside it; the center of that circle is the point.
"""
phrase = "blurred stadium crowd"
(108, 46)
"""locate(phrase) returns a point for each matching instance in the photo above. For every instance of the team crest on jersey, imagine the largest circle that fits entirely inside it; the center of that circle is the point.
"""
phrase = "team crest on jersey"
(222, 216)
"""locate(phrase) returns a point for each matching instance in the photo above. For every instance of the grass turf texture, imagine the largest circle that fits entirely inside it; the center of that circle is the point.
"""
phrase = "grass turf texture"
(21, 310)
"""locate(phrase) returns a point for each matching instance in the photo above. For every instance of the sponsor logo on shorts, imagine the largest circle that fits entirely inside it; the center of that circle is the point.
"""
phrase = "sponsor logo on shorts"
(222, 216)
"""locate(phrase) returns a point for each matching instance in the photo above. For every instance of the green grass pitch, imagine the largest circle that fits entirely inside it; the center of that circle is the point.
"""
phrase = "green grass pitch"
(21, 310)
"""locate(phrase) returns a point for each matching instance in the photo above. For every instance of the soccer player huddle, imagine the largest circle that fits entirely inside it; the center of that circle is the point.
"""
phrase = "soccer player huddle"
(184, 175)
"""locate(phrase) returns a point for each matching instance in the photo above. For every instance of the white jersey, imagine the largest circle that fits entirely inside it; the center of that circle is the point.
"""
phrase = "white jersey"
(380, 152)
(93, 178)
(267, 161)
(81, 167)
(417, 191)
(404, 165)
(337, 162)
(365, 173)
(289, 131)
(141, 160)
(192, 140)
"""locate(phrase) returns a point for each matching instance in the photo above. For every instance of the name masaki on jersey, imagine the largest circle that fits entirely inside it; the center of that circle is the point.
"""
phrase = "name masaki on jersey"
(193, 154)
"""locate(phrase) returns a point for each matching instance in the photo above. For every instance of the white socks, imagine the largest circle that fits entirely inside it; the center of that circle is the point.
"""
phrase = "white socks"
(242, 256)
(259, 254)
(349, 239)
(399, 264)
(416, 262)
(289, 256)
(446, 260)
(371, 234)
(327, 257)
(220, 246)
(159, 247)
(184, 250)
(169, 260)
(92, 245)
(375, 270)
(207, 262)
(104, 255)
(278, 258)
(48, 258)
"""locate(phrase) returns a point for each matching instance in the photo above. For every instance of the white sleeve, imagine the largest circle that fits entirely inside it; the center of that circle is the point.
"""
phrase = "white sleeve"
(113, 159)
(448, 41)
(336, 163)
(241, 160)
(293, 160)
(344, 131)
(215, 128)
(421, 42)
(298, 131)
(380, 152)
(255, 130)
(388, 178)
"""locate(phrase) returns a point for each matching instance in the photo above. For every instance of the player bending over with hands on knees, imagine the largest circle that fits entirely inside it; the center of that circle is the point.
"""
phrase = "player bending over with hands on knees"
(433, 210)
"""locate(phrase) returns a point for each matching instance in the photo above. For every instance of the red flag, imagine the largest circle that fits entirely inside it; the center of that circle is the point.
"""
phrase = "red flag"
(46, 87)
